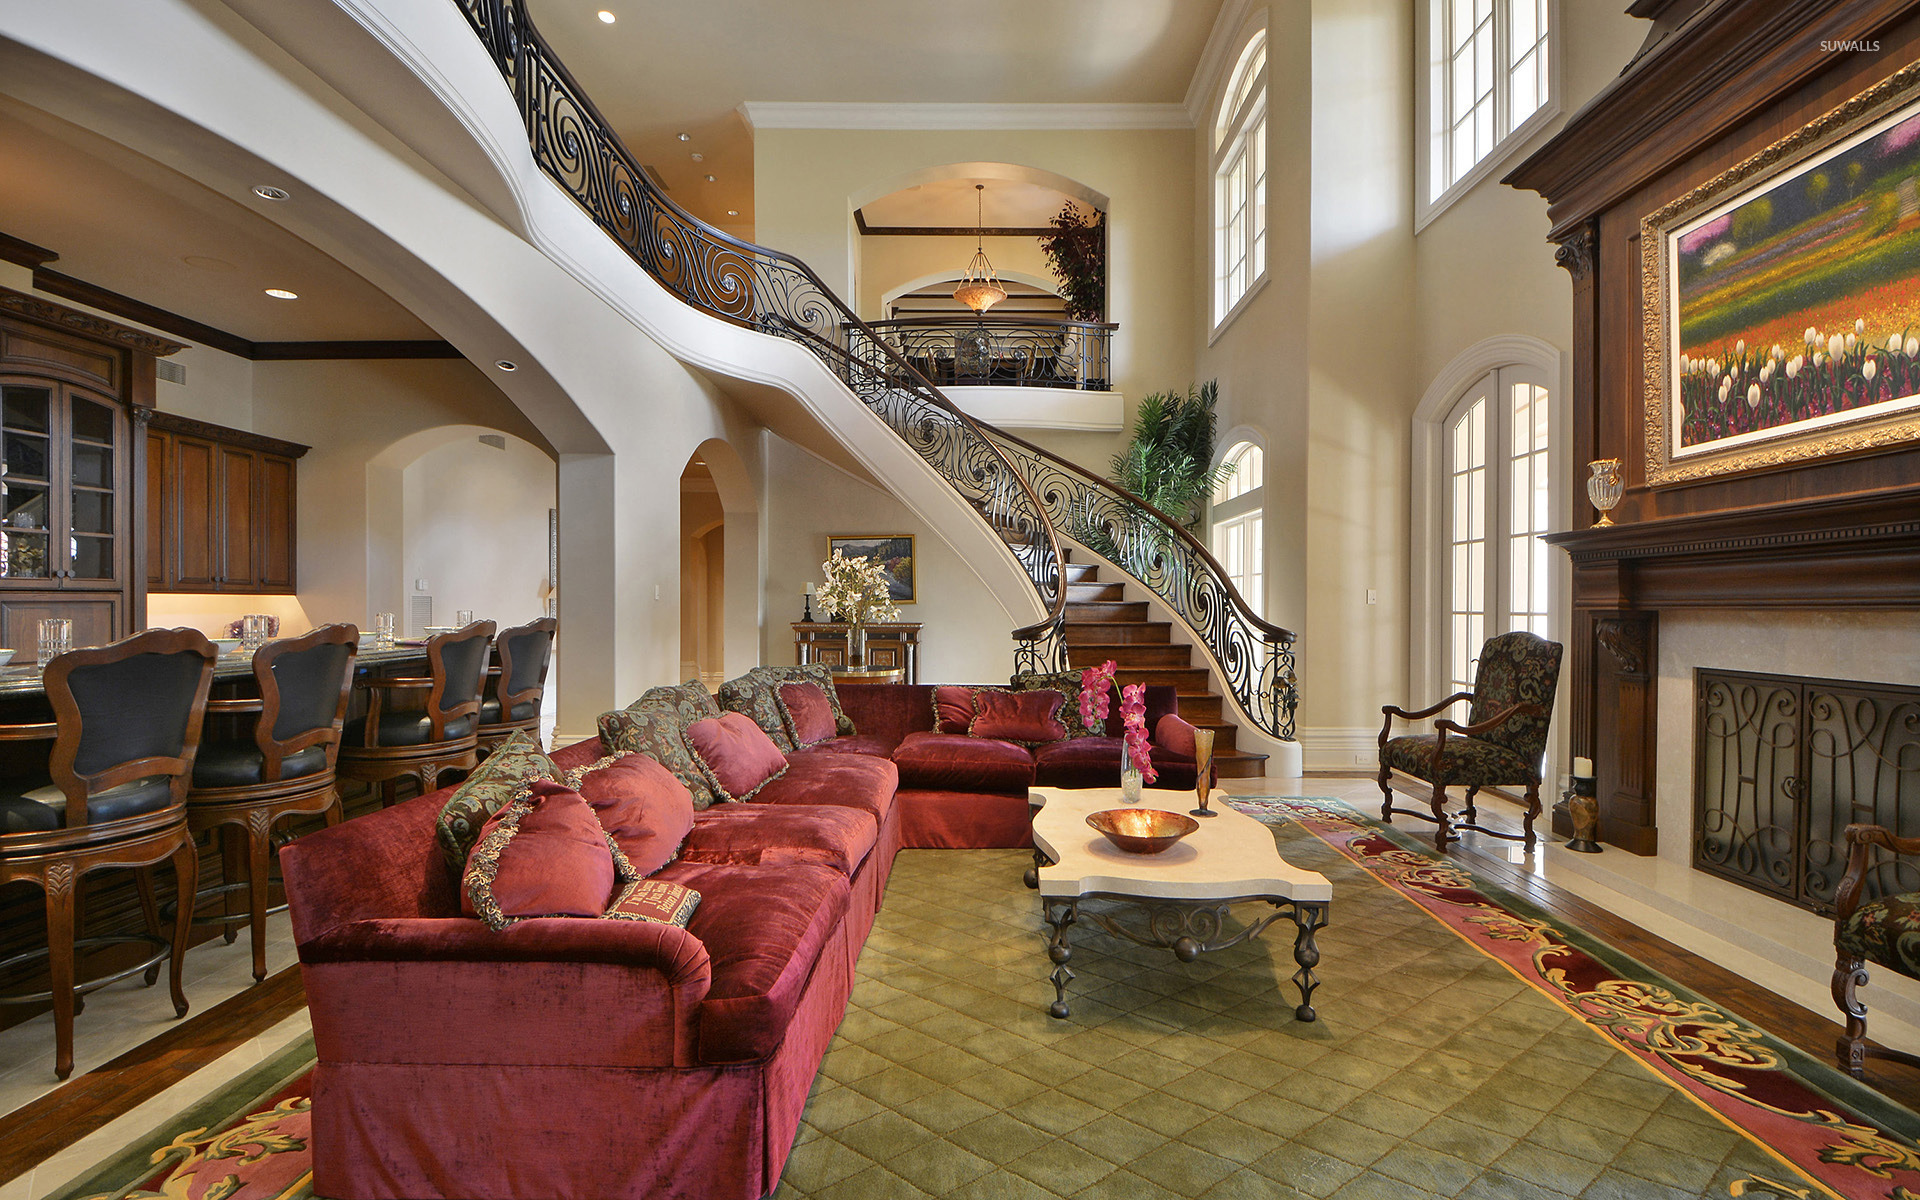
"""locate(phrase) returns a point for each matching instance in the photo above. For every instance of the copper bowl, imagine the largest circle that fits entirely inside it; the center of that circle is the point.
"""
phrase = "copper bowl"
(1142, 830)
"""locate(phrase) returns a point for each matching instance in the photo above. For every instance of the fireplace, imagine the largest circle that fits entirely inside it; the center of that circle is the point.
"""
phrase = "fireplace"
(1783, 764)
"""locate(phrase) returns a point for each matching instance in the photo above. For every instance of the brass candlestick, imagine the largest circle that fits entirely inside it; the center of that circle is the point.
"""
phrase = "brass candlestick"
(1203, 770)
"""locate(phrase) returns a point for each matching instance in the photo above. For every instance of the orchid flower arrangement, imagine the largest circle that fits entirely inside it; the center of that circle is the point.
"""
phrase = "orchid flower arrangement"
(1096, 686)
(857, 589)
(1133, 721)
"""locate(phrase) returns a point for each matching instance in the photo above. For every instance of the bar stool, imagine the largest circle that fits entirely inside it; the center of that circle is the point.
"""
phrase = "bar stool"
(244, 788)
(125, 730)
(385, 747)
(519, 682)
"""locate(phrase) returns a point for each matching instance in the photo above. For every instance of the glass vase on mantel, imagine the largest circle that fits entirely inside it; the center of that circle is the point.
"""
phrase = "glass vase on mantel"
(1130, 779)
(856, 643)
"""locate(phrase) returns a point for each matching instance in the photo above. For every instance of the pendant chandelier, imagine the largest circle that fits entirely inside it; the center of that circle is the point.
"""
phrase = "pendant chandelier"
(979, 289)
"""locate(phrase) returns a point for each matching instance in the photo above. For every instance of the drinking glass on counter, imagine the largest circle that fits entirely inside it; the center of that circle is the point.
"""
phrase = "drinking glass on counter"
(253, 631)
(56, 638)
(383, 629)
(463, 617)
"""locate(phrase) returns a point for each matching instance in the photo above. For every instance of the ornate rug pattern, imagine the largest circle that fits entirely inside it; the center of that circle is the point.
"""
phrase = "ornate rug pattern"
(1469, 1047)
(1832, 1130)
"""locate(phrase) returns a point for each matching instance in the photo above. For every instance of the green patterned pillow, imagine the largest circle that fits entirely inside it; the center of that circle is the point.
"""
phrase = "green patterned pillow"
(513, 764)
(1067, 683)
(658, 730)
(691, 700)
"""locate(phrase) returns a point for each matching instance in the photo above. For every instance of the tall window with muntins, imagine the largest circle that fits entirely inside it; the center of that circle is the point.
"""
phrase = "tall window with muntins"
(1239, 520)
(1499, 572)
(1490, 71)
(1240, 181)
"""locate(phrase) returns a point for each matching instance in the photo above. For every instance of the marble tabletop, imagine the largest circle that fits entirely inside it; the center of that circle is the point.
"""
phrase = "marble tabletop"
(1230, 855)
(22, 678)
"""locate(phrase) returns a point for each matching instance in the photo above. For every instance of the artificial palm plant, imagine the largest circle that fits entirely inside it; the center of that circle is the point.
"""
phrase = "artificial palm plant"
(1169, 463)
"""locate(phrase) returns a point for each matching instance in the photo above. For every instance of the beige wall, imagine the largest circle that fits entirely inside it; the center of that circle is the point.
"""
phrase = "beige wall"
(476, 529)
(966, 635)
(804, 180)
(888, 262)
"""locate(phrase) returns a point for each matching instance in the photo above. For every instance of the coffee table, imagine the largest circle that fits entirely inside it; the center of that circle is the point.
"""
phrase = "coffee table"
(1182, 894)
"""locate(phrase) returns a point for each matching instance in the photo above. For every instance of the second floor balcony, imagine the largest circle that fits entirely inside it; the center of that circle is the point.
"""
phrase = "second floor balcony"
(970, 351)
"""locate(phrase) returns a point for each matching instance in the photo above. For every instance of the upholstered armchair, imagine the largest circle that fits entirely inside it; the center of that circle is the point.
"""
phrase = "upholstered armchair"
(1884, 931)
(1502, 744)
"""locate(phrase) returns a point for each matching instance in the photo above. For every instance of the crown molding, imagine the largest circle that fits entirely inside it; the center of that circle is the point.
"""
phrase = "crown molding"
(1216, 58)
(782, 114)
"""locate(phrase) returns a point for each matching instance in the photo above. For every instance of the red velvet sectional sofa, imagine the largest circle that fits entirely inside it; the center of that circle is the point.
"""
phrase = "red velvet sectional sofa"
(567, 1057)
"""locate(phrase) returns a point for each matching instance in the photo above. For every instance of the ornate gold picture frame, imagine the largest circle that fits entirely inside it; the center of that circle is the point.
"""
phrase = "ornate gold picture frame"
(1781, 299)
(893, 551)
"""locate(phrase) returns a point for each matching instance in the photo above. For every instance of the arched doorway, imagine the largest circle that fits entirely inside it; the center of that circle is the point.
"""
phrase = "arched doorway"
(720, 598)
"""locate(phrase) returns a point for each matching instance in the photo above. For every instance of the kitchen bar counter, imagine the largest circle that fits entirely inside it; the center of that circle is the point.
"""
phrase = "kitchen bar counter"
(24, 679)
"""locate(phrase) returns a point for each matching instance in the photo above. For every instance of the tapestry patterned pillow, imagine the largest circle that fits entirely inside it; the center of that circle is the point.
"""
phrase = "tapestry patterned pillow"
(754, 696)
(658, 731)
(544, 855)
(1067, 683)
(513, 764)
(658, 901)
(691, 700)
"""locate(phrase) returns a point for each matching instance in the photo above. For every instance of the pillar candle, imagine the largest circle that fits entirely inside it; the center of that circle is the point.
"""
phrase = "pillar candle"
(809, 589)
(1583, 768)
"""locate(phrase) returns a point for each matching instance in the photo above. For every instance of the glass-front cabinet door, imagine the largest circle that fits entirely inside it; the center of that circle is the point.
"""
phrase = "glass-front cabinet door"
(61, 486)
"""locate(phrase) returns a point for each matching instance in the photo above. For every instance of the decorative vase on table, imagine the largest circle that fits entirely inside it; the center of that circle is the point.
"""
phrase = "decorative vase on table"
(856, 644)
(859, 589)
(1130, 777)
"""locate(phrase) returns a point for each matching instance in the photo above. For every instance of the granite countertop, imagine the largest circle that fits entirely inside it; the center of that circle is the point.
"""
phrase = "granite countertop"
(23, 678)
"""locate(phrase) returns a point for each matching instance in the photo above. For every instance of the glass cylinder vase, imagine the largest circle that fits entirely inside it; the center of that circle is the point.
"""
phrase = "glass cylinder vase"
(857, 643)
(1130, 780)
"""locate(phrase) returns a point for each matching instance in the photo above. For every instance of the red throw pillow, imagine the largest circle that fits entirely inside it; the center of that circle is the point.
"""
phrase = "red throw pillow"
(647, 810)
(952, 709)
(542, 856)
(809, 714)
(1026, 717)
(739, 756)
(1176, 734)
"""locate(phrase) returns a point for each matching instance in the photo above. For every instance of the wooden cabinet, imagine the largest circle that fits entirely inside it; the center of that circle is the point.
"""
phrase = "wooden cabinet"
(220, 506)
(71, 459)
(891, 646)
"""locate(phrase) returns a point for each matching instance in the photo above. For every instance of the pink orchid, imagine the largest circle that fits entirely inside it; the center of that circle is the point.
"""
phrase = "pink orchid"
(1133, 721)
(1095, 685)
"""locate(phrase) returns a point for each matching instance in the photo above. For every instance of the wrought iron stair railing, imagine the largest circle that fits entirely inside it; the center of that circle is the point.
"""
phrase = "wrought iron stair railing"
(1026, 494)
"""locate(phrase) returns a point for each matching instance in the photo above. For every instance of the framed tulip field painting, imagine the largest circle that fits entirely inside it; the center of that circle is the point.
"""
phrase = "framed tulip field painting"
(1782, 298)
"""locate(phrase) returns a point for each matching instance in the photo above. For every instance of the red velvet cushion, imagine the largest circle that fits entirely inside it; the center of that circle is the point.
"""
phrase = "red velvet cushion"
(546, 856)
(643, 806)
(1017, 716)
(845, 780)
(956, 762)
(876, 745)
(1176, 735)
(809, 714)
(764, 928)
(1095, 762)
(738, 754)
(952, 709)
(756, 834)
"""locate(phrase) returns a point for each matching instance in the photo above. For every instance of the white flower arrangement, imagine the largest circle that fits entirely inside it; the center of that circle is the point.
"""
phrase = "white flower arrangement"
(857, 589)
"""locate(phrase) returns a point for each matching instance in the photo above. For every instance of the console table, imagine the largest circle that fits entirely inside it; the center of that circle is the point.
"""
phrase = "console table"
(895, 645)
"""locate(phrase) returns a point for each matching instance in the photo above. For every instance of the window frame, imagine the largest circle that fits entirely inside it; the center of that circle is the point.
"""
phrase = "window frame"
(1244, 513)
(1434, 78)
(1239, 137)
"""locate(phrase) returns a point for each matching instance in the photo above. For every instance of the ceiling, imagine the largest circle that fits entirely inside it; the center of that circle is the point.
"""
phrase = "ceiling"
(123, 222)
(666, 67)
(952, 203)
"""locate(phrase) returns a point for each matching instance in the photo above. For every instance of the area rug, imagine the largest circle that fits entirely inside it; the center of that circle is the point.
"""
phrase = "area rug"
(1469, 1047)
(1830, 1129)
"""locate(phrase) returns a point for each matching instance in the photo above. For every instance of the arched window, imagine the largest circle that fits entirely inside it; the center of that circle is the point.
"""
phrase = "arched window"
(1240, 181)
(1239, 521)
(1496, 507)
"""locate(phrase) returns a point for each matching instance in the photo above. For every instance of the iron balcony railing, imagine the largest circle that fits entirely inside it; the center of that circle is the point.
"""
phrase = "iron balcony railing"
(1024, 493)
(1004, 351)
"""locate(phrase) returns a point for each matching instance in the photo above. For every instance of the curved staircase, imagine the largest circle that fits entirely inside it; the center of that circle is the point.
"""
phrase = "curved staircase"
(1031, 499)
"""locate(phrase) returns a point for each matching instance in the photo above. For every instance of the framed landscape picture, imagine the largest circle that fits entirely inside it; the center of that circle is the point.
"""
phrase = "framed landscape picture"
(1782, 298)
(893, 551)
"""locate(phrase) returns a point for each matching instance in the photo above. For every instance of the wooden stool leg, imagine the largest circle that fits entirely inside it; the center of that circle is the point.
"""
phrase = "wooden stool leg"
(233, 863)
(186, 880)
(143, 883)
(389, 792)
(260, 853)
(1441, 835)
(59, 883)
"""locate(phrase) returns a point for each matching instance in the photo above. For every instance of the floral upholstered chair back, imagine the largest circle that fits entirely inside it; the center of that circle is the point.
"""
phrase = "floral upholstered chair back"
(1517, 668)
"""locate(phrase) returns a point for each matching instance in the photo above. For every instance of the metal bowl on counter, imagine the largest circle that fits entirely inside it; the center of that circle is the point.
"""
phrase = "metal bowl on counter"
(1142, 830)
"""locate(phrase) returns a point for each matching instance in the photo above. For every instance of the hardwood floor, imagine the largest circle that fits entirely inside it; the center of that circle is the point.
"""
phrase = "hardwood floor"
(57, 1120)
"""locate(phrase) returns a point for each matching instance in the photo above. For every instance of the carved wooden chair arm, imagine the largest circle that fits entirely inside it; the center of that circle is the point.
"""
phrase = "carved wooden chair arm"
(1390, 711)
(1443, 726)
(1860, 840)
(29, 733)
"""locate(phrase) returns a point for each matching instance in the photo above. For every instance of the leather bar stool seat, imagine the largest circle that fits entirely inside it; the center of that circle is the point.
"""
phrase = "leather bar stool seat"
(526, 710)
(45, 808)
(406, 729)
(417, 741)
(239, 764)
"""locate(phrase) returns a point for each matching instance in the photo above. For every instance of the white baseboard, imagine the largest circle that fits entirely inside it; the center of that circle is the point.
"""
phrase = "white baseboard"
(1341, 747)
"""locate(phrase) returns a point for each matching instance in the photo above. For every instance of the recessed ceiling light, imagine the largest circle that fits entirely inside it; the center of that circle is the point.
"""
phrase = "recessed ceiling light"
(733, 212)
(267, 191)
(506, 364)
(606, 18)
(698, 157)
(282, 294)
(685, 137)
(709, 179)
